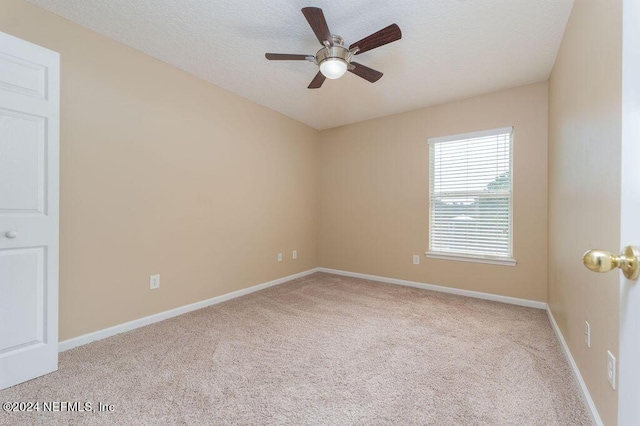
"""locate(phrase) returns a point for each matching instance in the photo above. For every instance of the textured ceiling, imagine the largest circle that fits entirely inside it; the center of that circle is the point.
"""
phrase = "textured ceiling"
(450, 49)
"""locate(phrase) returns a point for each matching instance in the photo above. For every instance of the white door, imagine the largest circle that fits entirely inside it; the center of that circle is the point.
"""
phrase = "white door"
(29, 157)
(629, 368)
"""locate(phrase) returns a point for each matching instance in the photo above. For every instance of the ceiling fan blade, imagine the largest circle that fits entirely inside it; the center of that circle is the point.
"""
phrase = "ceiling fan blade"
(315, 17)
(288, 57)
(317, 81)
(367, 73)
(384, 36)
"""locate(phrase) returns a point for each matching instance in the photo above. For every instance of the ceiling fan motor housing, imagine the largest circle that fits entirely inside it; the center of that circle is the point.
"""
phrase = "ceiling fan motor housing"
(335, 52)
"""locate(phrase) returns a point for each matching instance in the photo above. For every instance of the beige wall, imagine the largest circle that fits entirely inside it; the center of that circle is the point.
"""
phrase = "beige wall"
(164, 173)
(374, 193)
(585, 107)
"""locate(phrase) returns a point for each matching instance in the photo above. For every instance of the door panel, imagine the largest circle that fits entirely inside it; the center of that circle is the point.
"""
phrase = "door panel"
(29, 156)
(22, 160)
(22, 76)
(22, 287)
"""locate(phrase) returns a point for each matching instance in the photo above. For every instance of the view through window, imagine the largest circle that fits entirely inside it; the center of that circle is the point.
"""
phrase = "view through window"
(470, 194)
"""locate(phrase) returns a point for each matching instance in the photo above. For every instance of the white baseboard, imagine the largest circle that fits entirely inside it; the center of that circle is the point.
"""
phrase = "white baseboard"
(576, 371)
(442, 289)
(132, 325)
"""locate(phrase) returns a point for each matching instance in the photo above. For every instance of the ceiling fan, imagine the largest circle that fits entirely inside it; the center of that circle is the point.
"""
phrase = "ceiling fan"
(334, 59)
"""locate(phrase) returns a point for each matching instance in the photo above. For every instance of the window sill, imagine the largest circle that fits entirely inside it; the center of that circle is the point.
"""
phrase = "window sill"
(471, 258)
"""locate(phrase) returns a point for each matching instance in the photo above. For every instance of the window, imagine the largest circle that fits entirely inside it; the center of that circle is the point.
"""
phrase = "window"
(470, 197)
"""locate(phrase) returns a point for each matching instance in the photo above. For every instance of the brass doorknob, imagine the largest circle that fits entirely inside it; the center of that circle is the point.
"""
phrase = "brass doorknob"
(603, 261)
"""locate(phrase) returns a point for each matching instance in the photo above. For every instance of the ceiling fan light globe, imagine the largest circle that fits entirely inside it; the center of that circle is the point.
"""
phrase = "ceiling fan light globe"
(333, 68)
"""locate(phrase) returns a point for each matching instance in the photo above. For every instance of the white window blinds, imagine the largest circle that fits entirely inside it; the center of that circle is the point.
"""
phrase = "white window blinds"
(470, 194)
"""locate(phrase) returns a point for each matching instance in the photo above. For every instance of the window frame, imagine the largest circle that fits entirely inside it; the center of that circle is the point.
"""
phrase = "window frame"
(508, 260)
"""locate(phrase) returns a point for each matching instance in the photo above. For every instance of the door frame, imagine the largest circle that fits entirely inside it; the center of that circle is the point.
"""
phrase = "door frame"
(629, 352)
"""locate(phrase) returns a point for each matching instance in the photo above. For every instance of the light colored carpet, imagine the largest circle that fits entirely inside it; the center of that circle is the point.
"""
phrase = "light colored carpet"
(322, 349)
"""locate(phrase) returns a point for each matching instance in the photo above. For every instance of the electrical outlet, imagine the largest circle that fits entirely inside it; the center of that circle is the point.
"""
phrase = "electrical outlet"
(154, 282)
(279, 257)
(611, 369)
(294, 255)
(416, 259)
(587, 334)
